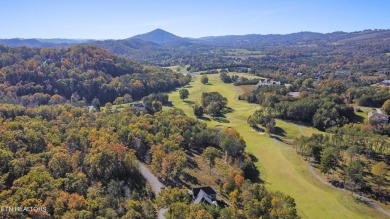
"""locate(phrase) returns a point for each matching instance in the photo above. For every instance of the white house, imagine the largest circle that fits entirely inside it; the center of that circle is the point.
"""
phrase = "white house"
(268, 82)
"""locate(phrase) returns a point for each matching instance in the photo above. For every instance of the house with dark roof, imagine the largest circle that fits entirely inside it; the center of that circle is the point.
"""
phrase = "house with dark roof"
(138, 105)
(204, 195)
(378, 116)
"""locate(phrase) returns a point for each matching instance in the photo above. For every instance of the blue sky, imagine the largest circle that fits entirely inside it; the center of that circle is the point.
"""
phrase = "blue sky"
(119, 19)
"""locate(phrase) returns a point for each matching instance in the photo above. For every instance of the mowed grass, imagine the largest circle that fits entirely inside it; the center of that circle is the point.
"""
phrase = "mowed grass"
(180, 68)
(363, 114)
(279, 165)
(240, 74)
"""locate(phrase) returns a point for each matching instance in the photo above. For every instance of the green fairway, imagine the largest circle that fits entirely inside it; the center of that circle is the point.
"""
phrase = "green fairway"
(281, 168)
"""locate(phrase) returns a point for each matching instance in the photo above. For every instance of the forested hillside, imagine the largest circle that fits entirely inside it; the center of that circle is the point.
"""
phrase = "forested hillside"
(36, 76)
(308, 52)
(85, 165)
(364, 51)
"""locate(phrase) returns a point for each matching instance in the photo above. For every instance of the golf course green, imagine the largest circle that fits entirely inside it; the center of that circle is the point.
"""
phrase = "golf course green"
(279, 165)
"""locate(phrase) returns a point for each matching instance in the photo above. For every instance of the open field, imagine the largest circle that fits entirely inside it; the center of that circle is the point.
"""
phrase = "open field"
(279, 165)
(247, 88)
(180, 68)
(249, 76)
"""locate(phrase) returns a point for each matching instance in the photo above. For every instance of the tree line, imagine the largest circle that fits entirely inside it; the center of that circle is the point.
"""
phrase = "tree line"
(320, 107)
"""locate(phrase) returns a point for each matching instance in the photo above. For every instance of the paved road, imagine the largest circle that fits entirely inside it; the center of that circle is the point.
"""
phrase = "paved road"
(155, 184)
(152, 179)
(161, 212)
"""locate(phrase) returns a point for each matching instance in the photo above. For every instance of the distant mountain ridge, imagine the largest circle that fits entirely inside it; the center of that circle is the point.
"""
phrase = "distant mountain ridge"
(63, 40)
(296, 38)
(159, 37)
(162, 48)
(26, 42)
(46, 43)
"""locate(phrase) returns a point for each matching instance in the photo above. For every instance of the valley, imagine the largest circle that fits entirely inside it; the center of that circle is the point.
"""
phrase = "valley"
(280, 167)
(225, 127)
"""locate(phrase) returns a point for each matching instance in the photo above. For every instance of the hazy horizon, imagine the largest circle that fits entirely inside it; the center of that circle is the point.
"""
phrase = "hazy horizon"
(85, 39)
(122, 19)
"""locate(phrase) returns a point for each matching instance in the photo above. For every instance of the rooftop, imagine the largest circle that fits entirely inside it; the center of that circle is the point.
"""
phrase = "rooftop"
(207, 189)
(372, 115)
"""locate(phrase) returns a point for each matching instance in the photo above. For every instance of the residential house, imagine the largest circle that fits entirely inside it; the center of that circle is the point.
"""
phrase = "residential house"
(204, 195)
(316, 75)
(268, 82)
(138, 105)
(385, 83)
(378, 116)
(91, 108)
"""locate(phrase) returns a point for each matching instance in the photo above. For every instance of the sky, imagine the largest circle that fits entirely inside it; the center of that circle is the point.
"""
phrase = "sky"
(120, 19)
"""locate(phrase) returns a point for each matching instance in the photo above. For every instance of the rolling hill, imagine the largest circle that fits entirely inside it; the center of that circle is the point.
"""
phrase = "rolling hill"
(162, 48)
(158, 36)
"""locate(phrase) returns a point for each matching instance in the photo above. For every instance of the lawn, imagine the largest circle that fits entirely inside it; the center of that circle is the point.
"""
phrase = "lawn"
(363, 114)
(180, 68)
(249, 76)
(281, 168)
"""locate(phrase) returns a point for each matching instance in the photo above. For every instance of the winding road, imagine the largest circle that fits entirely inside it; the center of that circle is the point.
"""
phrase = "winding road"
(155, 184)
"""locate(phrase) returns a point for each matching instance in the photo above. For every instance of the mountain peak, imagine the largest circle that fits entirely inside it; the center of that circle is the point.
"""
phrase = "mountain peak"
(158, 35)
(158, 30)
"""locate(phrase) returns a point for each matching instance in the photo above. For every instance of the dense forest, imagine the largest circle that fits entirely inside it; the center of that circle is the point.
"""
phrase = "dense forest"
(79, 163)
(79, 74)
(70, 161)
(85, 165)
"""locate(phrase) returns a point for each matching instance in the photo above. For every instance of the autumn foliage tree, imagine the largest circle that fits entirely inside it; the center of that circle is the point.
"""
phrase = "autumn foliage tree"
(232, 143)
